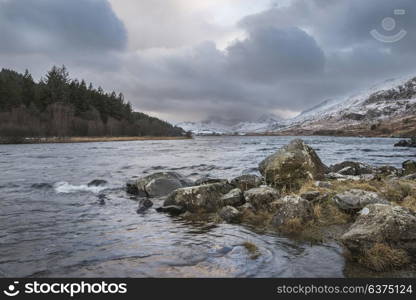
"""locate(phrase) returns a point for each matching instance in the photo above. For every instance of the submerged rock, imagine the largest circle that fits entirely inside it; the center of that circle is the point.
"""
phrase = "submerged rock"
(351, 168)
(357, 199)
(406, 143)
(247, 182)
(144, 205)
(97, 182)
(292, 166)
(409, 167)
(206, 197)
(262, 197)
(233, 198)
(386, 224)
(158, 184)
(291, 208)
(230, 214)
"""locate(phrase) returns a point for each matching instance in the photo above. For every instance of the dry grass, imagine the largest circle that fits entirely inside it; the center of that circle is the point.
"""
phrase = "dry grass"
(409, 202)
(293, 226)
(252, 249)
(382, 257)
(397, 191)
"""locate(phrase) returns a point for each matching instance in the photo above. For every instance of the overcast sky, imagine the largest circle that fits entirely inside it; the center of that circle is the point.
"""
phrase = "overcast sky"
(185, 60)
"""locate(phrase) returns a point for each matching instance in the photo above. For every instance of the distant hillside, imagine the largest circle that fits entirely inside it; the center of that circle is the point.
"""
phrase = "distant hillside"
(61, 107)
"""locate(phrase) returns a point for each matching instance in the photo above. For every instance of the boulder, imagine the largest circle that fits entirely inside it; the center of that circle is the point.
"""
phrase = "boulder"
(292, 166)
(385, 171)
(247, 182)
(261, 197)
(386, 224)
(233, 198)
(409, 167)
(158, 184)
(351, 168)
(230, 214)
(290, 208)
(357, 199)
(202, 198)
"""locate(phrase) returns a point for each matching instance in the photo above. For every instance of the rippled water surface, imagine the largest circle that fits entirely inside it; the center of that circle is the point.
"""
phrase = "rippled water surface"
(53, 224)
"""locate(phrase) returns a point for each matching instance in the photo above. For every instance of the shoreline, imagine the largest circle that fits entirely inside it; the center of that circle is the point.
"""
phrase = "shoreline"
(70, 140)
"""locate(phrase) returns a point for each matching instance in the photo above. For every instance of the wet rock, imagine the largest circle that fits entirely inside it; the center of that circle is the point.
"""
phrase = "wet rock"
(292, 166)
(409, 167)
(205, 198)
(247, 182)
(290, 208)
(351, 168)
(171, 209)
(261, 197)
(406, 143)
(233, 198)
(97, 182)
(230, 214)
(158, 184)
(357, 199)
(144, 205)
(386, 224)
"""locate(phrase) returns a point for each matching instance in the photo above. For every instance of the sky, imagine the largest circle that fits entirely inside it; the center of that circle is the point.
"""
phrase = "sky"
(225, 60)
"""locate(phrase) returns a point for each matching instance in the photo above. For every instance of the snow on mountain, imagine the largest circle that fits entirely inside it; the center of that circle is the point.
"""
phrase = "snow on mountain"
(265, 123)
(390, 98)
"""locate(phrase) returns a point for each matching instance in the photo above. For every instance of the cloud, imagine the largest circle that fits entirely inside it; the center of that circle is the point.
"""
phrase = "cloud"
(170, 58)
(73, 32)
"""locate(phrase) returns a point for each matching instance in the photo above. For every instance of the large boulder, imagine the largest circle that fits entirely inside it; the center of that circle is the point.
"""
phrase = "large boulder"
(351, 168)
(234, 197)
(202, 198)
(158, 184)
(247, 182)
(292, 166)
(409, 167)
(261, 198)
(291, 208)
(357, 199)
(394, 226)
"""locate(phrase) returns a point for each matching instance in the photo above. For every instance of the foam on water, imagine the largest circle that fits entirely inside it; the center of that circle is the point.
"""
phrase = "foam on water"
(64, 187)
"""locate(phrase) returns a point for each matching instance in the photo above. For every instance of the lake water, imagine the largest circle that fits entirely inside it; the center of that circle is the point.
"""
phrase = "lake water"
(52, 223)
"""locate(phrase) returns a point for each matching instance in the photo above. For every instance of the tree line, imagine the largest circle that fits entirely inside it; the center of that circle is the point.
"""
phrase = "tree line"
(59, 106)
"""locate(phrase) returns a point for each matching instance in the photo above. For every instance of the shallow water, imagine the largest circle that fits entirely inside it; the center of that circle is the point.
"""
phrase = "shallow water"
(52, 223)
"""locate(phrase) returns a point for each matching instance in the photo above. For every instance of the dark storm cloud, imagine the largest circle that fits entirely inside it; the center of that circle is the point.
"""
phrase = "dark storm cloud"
(81, 31)
(292, 58)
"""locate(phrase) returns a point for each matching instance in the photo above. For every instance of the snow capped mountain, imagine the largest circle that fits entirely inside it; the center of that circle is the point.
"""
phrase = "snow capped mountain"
(392, 97)
(383, 106)
(266, 123)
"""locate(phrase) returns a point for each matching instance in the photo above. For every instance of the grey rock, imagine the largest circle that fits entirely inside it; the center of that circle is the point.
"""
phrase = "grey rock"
(323, 184)
(233, 198)
(230, 214)
(261, 197)
(205, 198)
(209, 180)
(380, 223)
(351, 168)
(292, 166)
(247, 182)
(292, 207)
(357, 199)
(409, 167)
(158, 184)
(144, 205)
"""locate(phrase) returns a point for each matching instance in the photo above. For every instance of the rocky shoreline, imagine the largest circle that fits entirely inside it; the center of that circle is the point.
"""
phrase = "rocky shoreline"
(370, 211)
